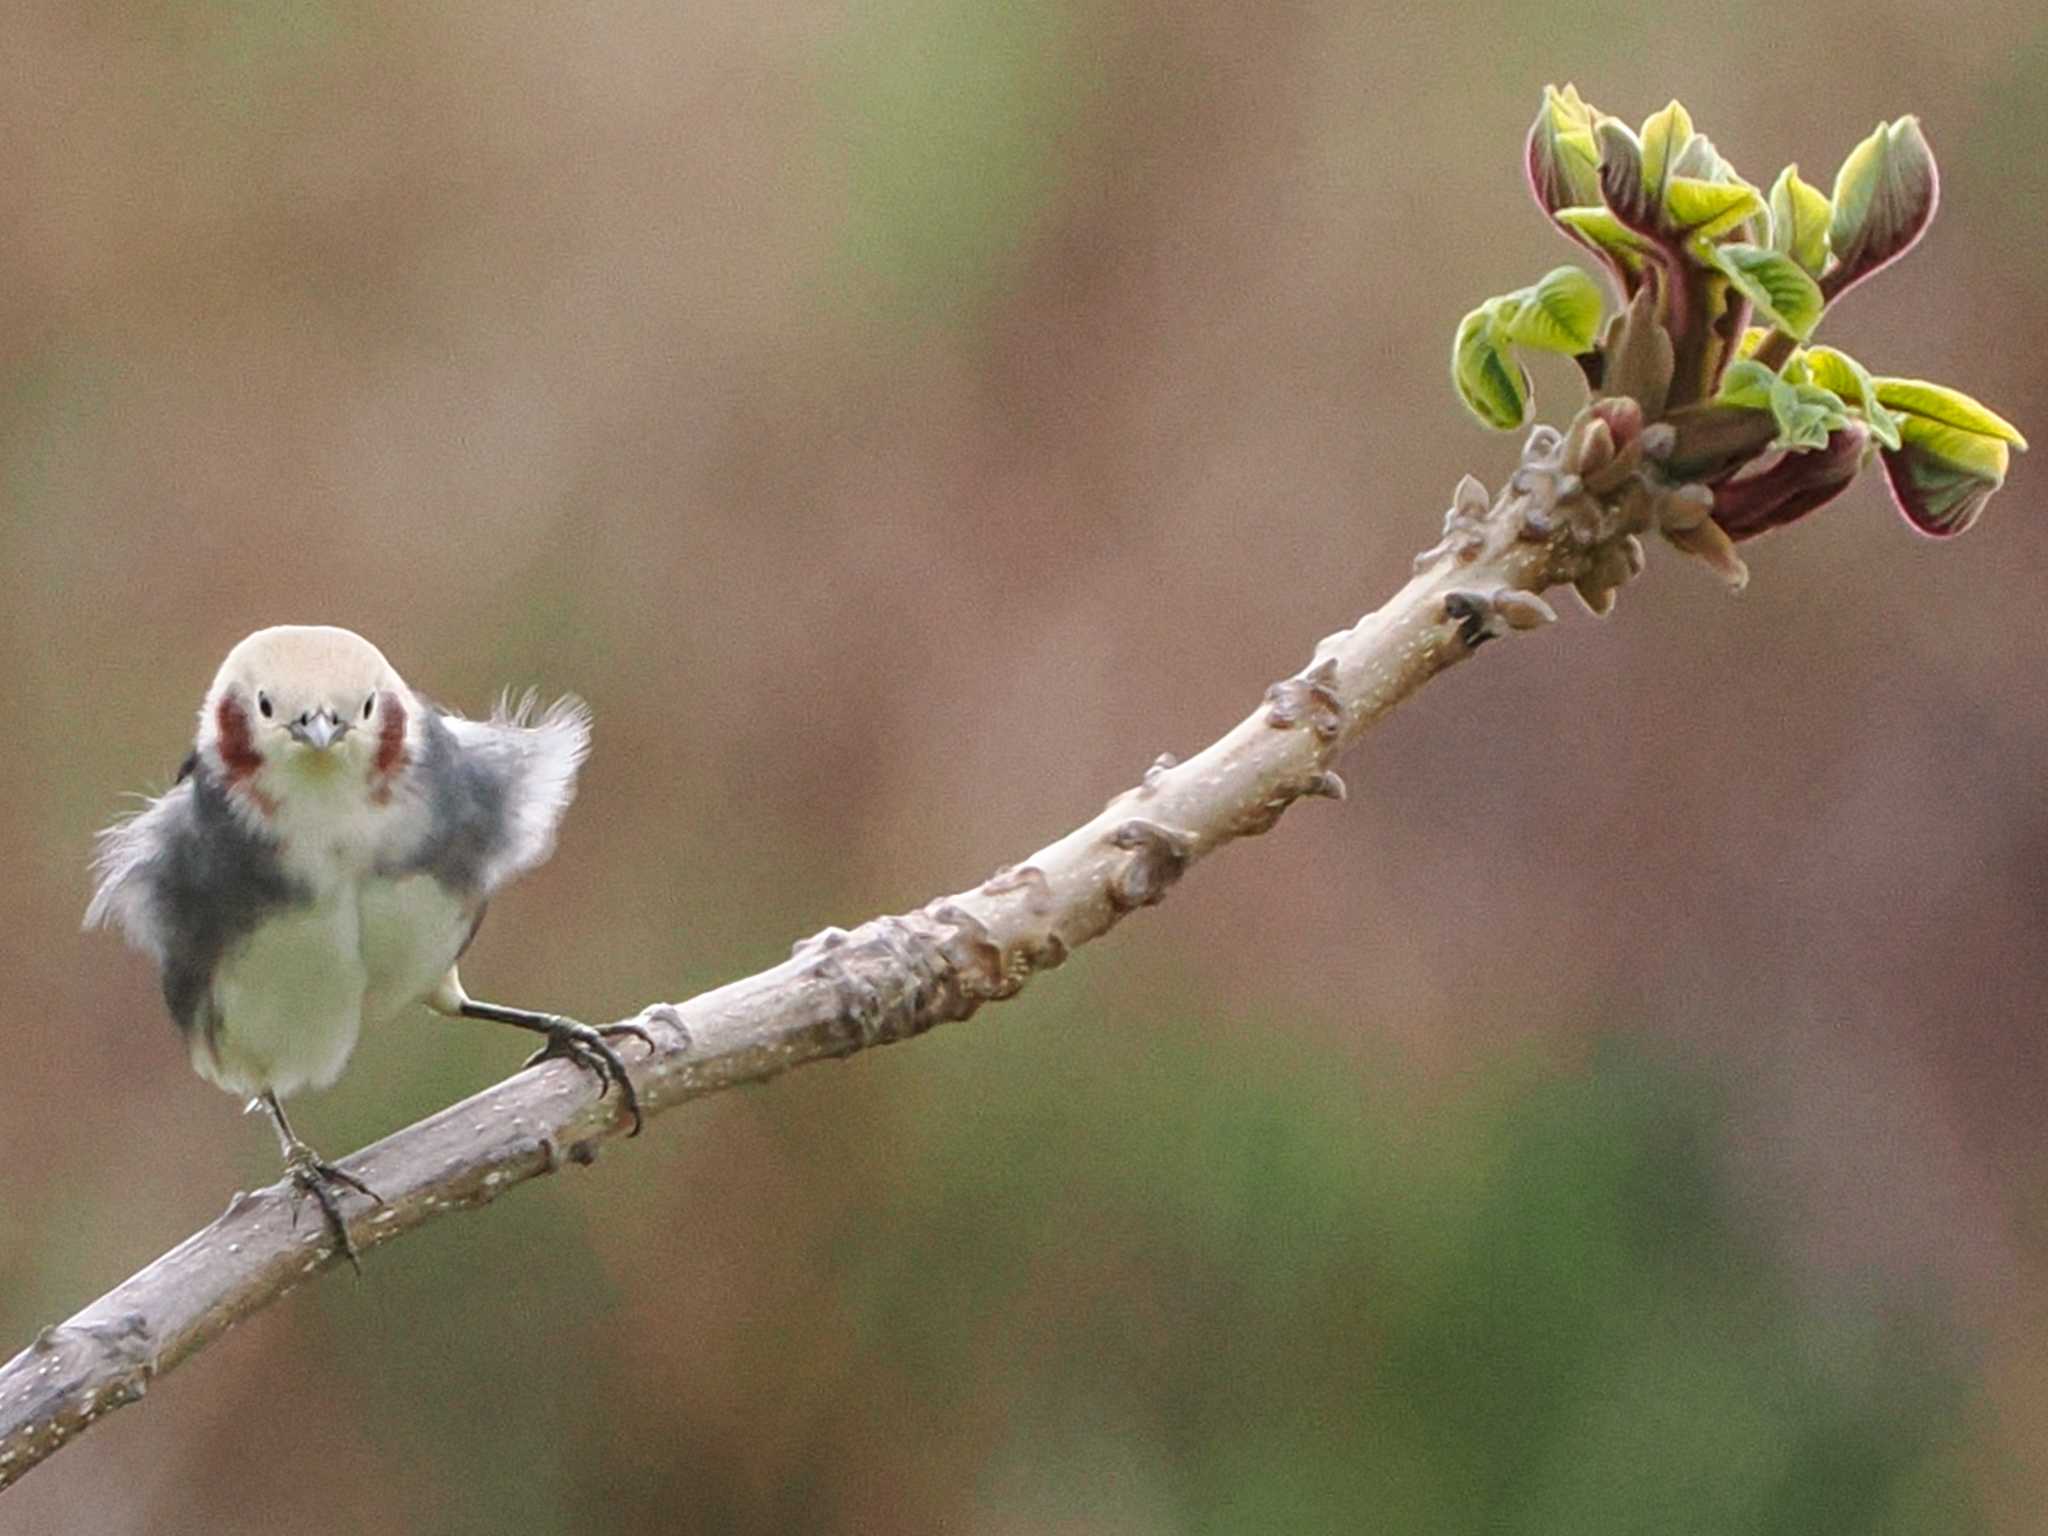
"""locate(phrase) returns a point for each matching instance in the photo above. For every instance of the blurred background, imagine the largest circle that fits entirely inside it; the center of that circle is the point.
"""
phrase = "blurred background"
(901, 421)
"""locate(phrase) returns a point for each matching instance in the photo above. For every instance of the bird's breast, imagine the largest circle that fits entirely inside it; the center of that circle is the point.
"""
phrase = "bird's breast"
(412, 930)
(334, 832)
(290, 1000)
(287, 1000)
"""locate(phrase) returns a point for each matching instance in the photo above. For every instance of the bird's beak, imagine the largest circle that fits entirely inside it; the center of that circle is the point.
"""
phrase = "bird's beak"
(321, 730)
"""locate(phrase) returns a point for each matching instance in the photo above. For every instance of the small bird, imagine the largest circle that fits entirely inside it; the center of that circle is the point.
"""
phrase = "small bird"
(323, 860)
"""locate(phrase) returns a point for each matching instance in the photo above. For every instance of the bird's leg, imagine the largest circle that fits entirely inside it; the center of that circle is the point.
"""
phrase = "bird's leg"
(586, 1045)
(311, 1174)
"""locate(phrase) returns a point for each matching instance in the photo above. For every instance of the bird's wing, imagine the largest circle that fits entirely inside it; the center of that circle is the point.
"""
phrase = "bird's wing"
(183, 879)
(126, 893)
(498, 788)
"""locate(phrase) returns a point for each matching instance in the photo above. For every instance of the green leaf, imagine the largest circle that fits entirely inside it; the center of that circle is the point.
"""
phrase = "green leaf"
(1953, 453)
(1941, 476)
(1799, 220)
(1885, 196)
(1702, 162)
(1747, 383)
(1752, 338)
(1665, 137)
(1563, 160)
(1806, 414)
(1707, 210)
(1970, 452)
(1621, 177)
(1947, 407)
(1848, 378)
(1489, 381)
(1774, 283)
(1606, 234)
(1560, 312)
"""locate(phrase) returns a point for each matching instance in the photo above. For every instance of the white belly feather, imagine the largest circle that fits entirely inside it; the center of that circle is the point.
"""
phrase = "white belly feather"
(293, 997)
(289, 999)
(412, 931)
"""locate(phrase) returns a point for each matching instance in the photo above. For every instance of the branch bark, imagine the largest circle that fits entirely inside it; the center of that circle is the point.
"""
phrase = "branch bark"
(893, 977)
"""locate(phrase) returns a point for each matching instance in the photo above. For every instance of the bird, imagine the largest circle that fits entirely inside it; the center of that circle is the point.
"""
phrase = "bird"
(320, 864)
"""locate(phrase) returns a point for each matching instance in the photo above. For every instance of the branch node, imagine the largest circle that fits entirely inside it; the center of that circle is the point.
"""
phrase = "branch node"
(672, 1016)
(1021, 877)
(856, 1002)
(1522, 610)
(1161, 764)
(823, 939)
(1159, 856)
(1464, 534)
(1308, 698)
(974, 960)
(1473, 613)
(1326, 785)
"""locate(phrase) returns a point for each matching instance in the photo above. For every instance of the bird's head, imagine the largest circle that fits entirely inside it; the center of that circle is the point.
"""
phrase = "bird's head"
(301, 703)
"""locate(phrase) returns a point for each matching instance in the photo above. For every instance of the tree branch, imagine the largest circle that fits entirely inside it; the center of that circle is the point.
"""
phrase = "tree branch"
(893, 977)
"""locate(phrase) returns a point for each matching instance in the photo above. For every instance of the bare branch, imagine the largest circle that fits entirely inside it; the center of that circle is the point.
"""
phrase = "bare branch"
(893, 977)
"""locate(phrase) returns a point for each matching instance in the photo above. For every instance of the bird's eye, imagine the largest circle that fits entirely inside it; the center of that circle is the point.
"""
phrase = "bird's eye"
(369, 704)
(263, 705)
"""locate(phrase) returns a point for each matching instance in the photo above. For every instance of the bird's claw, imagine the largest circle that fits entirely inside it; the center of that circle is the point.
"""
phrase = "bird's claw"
(589, 1047)
(313, 1175)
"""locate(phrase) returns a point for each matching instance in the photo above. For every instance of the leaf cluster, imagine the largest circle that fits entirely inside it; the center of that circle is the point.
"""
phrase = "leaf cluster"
(1773, 424)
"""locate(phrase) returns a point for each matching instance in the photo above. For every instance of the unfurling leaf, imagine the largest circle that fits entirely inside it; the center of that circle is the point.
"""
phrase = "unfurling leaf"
(1621, 177)
(1489, 381)
(1953, 454)
(1806, 414)
(1774, 283)
(1799, 221)
(1941, 481)
(1702, 162)
(1885, 195)
(1707, 210)
(1949, 407)
(1602, 233)
(1563, 161)
(1848, 378)
(1747, 383)
(1560, 312)
(1665, 137)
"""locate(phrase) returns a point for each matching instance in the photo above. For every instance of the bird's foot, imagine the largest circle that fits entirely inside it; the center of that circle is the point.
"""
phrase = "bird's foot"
(312, 1175)
(590, 1048)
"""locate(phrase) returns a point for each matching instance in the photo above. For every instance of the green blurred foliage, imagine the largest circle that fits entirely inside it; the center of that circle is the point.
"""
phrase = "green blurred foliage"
(1523, 1310)
(1148, 1288)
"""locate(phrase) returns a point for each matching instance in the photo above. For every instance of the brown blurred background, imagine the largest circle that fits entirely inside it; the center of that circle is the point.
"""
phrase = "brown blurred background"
(902, 421)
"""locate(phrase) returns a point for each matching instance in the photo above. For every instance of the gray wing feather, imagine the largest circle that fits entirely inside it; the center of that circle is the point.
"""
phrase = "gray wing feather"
(184, 879)
(497, 790)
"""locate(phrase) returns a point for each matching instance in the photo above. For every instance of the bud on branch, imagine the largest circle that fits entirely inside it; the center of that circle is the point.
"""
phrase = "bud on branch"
(1756, 419)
